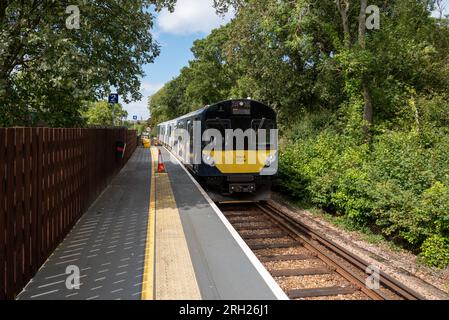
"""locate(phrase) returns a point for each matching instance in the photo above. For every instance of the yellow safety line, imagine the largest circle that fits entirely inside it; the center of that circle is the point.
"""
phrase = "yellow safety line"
(148, 276)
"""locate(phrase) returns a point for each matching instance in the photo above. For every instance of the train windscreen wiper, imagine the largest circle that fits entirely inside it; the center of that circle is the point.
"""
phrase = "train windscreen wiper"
(262, 123)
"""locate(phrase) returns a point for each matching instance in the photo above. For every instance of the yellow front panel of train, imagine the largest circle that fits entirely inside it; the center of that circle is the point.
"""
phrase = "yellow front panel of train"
(240, 162)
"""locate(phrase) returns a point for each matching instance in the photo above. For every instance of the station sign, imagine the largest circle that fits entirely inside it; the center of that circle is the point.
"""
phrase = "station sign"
(113, 98)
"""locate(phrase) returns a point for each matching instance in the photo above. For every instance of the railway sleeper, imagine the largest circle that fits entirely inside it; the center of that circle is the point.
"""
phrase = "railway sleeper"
(301, 272)
(247, 220)
(242, 215)
(242, 228)
(275, 246)
(320, 292)
(264, 236)
(281, 258)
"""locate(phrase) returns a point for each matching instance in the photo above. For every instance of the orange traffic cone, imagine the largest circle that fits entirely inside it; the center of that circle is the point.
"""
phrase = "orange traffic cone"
(160, 164)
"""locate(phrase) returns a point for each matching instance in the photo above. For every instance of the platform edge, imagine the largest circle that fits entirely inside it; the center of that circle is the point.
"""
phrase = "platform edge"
(266, 276)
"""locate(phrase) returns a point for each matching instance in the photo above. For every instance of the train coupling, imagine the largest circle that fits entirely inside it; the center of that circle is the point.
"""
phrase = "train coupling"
(242, 188)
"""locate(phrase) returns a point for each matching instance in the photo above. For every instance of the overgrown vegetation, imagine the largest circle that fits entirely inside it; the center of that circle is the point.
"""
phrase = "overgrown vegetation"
(364, 114)
(101, 114)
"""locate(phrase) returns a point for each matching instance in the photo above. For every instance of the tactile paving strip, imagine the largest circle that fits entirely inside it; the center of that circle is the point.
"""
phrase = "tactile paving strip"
(175, 276)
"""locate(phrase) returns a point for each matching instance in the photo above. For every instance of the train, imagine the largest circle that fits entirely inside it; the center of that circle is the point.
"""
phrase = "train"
(230, 147)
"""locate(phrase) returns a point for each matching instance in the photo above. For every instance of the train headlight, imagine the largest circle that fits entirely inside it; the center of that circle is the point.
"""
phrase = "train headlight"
(209, 161)
(270, 160)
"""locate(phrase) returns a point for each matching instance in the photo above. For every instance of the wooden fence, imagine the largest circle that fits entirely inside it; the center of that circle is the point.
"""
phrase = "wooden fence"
(48, 179)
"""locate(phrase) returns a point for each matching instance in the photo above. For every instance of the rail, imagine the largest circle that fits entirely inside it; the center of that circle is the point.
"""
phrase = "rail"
(259, 223)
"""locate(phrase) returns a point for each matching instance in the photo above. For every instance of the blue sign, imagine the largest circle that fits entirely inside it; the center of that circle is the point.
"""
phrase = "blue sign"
(113, 98)
(135, 118)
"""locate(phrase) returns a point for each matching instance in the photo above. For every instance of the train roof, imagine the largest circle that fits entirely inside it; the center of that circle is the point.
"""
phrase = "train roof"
(202, 110)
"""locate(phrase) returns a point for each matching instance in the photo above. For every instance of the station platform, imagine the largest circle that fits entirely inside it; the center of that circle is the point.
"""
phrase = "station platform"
(153, 236)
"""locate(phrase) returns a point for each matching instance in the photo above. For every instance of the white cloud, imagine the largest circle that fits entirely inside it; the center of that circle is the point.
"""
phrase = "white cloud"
(442, 6)
(140, 108)
(191, 16)
(148, 88)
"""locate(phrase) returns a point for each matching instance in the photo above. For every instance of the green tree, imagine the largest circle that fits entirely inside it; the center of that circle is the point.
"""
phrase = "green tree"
(298, 57)
(211, 78)
(100, 114)
(208, 78)
(47, 69)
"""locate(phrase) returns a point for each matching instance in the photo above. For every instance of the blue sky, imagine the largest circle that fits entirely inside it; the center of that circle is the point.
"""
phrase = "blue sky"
(175, 32)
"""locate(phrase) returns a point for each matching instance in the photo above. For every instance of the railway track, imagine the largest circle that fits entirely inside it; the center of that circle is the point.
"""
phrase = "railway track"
(305, 264)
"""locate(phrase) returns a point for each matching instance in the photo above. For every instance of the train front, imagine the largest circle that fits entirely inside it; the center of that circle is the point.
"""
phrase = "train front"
(239, 150)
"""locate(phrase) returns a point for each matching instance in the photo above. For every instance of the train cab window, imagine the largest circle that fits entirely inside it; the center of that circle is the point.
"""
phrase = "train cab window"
(263, 124)
(221, 125)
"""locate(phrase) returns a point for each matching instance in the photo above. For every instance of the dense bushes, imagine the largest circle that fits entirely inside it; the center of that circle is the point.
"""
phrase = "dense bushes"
(435, 251)
(398, 185)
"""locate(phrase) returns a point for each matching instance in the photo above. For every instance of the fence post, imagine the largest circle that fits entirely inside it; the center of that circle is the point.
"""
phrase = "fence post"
(40, 197)
(35, 201)
(3, 275)
(18, 212)
(10, 145)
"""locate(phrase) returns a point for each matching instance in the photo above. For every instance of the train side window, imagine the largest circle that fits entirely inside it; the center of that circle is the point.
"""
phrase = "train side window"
(180, 125)
(190, 131)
